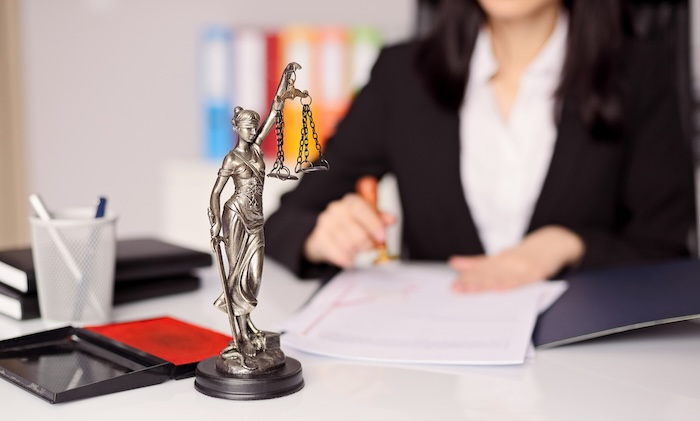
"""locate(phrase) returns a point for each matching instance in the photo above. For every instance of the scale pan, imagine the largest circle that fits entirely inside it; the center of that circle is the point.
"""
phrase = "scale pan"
(282, 176)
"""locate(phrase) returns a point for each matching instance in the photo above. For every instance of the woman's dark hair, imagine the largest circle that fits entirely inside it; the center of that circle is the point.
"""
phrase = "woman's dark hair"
(595, 34)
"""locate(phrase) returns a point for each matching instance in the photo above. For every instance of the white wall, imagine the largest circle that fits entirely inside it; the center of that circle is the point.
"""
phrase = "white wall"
(111, 89)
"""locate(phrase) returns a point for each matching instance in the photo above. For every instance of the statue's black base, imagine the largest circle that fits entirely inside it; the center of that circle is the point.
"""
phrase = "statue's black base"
(272, 384)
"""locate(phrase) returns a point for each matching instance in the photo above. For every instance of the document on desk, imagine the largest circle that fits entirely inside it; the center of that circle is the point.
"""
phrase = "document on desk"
(407, 313)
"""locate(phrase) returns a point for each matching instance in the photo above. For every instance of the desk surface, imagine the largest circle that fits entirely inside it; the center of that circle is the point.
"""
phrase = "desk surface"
(649, 374)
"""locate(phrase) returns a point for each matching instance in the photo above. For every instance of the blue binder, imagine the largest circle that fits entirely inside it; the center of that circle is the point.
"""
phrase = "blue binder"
(604, 302)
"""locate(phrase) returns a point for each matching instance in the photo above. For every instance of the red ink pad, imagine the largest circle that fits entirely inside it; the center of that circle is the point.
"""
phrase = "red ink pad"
(180, 343)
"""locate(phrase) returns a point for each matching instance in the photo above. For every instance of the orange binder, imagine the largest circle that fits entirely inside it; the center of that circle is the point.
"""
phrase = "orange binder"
(333, 96)
(297, 44)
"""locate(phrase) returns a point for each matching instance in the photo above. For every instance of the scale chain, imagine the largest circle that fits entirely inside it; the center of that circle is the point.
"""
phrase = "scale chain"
(313, 130)
(279, 135)
(303, 157)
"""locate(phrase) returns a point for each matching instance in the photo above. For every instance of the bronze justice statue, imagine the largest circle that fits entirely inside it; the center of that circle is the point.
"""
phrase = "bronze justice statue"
(252, 366)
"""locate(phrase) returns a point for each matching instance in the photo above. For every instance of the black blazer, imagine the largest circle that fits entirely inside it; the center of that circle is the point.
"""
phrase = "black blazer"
(631, 198)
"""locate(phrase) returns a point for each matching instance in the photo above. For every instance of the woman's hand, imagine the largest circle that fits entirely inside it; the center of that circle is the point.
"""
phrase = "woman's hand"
(540, 255)
(507, 270)
(345, 228)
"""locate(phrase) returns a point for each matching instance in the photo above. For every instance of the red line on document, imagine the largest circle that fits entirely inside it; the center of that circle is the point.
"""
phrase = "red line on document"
(336, 304)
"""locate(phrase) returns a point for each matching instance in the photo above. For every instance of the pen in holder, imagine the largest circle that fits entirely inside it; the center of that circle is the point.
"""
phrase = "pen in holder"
(84, 286)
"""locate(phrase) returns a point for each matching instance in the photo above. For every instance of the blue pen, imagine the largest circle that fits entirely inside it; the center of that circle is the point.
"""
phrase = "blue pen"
(101, 208)
(83, 286)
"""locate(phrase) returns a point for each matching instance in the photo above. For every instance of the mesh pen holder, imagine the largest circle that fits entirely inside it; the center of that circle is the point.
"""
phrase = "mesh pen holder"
(74, 255)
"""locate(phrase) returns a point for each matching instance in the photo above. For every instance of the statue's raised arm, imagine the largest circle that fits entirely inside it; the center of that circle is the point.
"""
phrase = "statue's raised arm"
(285, 91)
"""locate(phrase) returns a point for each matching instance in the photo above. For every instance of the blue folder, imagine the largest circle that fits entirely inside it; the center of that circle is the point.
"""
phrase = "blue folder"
(604, 302)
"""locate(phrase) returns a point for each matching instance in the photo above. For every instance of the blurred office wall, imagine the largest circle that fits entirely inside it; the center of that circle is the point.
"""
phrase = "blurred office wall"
(111, 95)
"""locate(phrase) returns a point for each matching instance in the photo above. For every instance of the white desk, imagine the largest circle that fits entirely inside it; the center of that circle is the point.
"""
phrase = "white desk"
(651, 374)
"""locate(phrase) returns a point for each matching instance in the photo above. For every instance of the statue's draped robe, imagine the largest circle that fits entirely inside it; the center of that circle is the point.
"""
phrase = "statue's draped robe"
(242, 220)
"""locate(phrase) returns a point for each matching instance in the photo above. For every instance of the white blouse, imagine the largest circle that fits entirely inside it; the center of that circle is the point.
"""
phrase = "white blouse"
(504, 163)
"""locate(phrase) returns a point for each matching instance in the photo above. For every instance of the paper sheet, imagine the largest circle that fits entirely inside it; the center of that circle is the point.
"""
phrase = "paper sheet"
(406, 313)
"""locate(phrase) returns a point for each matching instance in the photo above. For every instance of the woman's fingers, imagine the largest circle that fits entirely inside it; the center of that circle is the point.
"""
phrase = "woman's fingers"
(462, 263)
(504, 271)
(345, 228)
(364, 217)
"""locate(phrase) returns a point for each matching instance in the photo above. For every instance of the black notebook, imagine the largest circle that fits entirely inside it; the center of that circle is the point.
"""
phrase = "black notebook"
(603, 302)
(23, 306)
(137, 259)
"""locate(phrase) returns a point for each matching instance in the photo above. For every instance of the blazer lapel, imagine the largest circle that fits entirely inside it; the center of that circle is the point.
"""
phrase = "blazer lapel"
(459, 212)
(563, 166)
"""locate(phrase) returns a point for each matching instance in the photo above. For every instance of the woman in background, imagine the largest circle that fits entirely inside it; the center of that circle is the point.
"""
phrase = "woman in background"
(527, 137)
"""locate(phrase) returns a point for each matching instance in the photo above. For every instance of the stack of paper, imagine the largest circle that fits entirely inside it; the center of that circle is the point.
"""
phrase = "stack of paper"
(407, 313)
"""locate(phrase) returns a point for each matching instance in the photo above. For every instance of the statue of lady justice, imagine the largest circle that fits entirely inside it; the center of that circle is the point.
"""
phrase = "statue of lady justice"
(251, 350)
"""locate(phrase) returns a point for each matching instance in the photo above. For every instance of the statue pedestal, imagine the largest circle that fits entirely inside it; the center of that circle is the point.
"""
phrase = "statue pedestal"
(268, 374)
(281, 381)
